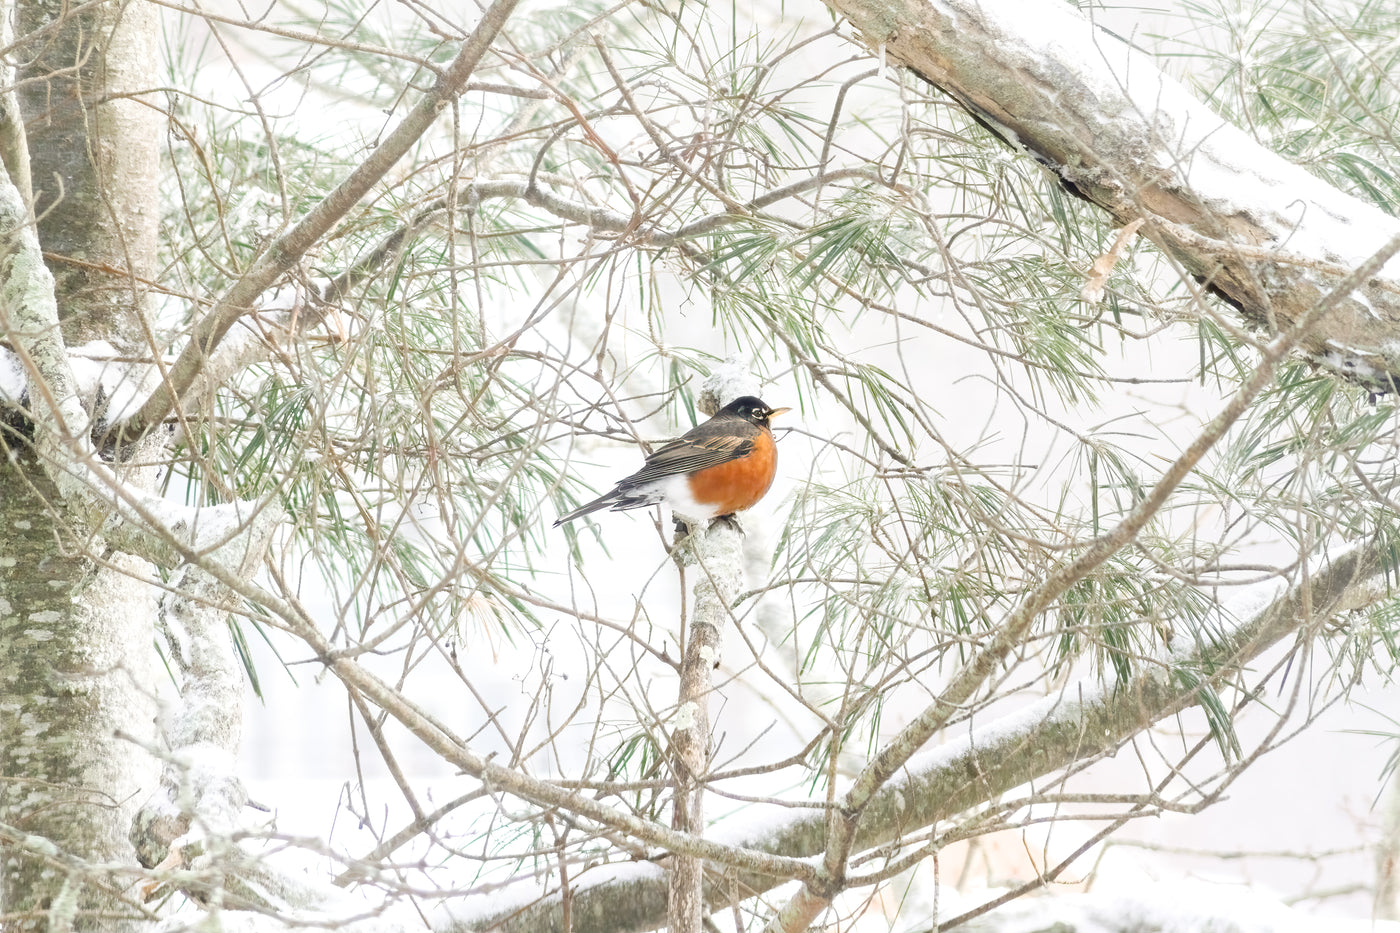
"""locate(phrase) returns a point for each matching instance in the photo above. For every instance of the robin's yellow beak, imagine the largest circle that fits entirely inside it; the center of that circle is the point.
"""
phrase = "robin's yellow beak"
(775, 412)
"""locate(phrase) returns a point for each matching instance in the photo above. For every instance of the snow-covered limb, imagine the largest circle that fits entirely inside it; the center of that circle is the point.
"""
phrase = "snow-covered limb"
(1083, 721)
(90, 488)
(199, 793)
(729, 380)
(996, 647)
(284, 900)
(14, 146)
(1267, 234)
(228, 540)
(187, 830)
(130, 519)
(29, 318)
(243, 891)
(715, 555)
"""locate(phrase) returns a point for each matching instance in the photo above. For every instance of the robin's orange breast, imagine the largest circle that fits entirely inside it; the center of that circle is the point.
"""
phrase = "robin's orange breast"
(738, 484)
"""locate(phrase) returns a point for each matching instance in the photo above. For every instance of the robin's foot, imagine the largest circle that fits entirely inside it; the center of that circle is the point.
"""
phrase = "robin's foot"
(732, 520)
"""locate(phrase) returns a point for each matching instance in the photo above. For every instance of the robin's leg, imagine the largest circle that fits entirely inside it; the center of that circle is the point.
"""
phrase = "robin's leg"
(732, 520)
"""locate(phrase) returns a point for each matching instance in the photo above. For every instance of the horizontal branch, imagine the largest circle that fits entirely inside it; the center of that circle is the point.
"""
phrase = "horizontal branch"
(596, 218)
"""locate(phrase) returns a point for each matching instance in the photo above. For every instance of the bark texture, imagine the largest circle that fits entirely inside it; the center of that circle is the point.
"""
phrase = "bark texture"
(714, 555)
(76, 616)
(75, 666)
(94, 153)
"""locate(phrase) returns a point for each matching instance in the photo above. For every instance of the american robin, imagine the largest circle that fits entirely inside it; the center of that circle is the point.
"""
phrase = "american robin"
(717, 468)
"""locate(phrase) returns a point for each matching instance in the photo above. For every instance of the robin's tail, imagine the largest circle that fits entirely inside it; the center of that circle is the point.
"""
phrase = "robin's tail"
(602, 502)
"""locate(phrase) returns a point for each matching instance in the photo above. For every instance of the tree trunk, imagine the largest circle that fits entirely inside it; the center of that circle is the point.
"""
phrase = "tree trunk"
(77, 619)
(94, 155)
(76, 666)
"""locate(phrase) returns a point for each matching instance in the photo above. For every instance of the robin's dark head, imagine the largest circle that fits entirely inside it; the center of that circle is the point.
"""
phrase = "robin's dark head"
(752, 410)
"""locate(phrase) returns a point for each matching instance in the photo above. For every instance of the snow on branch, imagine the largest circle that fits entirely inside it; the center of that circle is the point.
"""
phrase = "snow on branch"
(134, 521)
(213, 546)
(1267, 235)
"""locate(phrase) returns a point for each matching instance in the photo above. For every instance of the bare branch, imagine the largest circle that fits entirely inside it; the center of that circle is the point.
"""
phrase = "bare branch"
(288, 249)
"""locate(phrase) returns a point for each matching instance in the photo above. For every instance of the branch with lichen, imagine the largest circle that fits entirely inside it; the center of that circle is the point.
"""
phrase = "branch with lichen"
(131, 520)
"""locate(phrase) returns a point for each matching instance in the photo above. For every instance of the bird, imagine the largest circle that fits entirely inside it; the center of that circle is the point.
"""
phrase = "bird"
(715, 469)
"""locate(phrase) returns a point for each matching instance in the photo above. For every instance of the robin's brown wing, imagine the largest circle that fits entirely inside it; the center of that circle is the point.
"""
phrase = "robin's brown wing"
(717, 441)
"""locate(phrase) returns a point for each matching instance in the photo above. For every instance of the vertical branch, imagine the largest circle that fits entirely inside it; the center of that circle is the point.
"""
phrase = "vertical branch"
(14, 144)
(200, 795)
(717, 553)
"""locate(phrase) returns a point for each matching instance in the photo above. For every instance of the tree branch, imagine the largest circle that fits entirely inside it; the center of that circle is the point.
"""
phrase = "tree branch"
(970, 678)
(542, 793)
(1264, 233)
(131, 520)
(288, 249)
